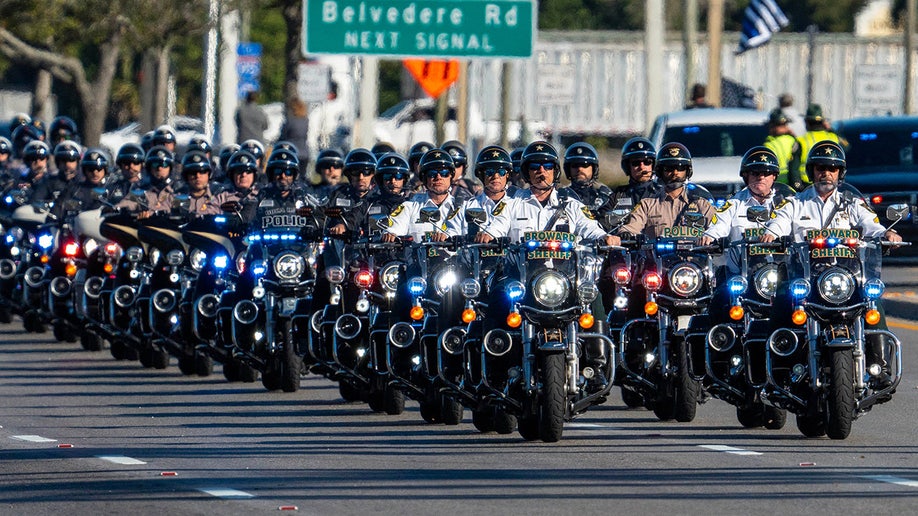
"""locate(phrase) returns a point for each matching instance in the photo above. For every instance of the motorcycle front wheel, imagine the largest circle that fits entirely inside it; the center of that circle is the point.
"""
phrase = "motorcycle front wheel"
(840, 404)
(551, 403)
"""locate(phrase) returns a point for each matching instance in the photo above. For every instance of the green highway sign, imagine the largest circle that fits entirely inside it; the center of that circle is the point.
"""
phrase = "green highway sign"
(420, 28)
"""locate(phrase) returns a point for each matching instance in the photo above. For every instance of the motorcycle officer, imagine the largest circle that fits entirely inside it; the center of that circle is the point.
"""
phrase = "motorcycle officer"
(196, 171)
(67, 156)
(581, 167)
(415, 153)
(282, 170)
(35, 174)
(159, 193)
(241, 169)
(351, 197)
(638, 160)
(493, 168)
(462, 190)
(129, 161)
(6, 153)
(94, 168)
(823, 205)
(329, 166)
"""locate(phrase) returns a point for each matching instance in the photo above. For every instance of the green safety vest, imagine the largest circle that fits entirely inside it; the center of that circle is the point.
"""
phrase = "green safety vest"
(783, 147)
(806, 143)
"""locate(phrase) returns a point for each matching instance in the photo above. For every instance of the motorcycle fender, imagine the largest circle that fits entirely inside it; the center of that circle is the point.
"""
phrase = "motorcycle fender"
(553, 346)
(840, 343)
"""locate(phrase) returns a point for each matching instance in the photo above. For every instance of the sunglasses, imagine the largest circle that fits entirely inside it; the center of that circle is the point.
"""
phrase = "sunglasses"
(286, 172)
(94, 169)
(536, 166)
(389, 176)
(762, 173)
(442, 173)
(679, 168)
(366, 172)
(246, 171)
(637, 162)
(498, 171)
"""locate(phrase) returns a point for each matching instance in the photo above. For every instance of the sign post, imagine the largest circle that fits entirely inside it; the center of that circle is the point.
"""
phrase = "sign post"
(420, 28)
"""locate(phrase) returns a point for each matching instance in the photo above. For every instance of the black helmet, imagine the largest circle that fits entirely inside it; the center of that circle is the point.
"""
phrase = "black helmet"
(94, 159)
(435, 159)
(67, 151)
(357, 160)
(35, 150)
(255, 148)
(329, 158)
(195, 161)
(417, 151)
(287, 146)
(225, 153)
(581, 153)
(63, 128)
(490, 158)
(146, 141)
(759, 159)
(163, 134)
(539, 152)
(828, 153)
(129, 153)
(199, 142)
(24, 134)
(515, 156)
(673, 155)
(456, 151)
(6, 146)
(381, 148)
(281, 159)
(391, 163)
(241, 161)
(637, 148)
(157, 157)
(19, 119)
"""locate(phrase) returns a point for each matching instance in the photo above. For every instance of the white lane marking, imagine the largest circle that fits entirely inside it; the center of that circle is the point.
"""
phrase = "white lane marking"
(583, 425)
(889, 479)
(33, 438)
(728, 449)
(223, 492)
(121, 459)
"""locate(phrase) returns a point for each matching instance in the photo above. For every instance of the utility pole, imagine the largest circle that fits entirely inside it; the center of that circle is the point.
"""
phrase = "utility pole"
(689, 41)
(210, 70)
(369, 101)
(811, 57)
(715, 31)
(908, 106)
(654, 29)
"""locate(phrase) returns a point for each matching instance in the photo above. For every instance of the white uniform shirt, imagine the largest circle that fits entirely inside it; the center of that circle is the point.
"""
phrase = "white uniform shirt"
(513, 216)
(405, 218)
(730, 221)
(807, 211)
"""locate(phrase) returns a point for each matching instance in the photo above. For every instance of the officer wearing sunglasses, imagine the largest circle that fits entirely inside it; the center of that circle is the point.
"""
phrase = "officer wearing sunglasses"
(352, 197)
(493, 168)
(638, 159)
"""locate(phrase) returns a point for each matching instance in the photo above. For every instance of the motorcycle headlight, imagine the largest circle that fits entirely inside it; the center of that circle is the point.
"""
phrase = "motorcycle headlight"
(221, 261)
(388, 277)
(550, 288)
(417, 285)
(766, 281)
(587, 292)
(685, 279)
(737, 285)
(874, 288)
(89, 245)
(471, 288)
(197, 258)
(175, 257)
(800, 289)
(155, 255)
(134, 254)
(515, 291)
(289, 266)
(444, 280)
(334, 274)
(258, 268)
(45, 240)
(836, 286)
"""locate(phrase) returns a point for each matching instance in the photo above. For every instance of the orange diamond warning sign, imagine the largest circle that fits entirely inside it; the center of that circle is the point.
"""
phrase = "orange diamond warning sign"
(436, 76)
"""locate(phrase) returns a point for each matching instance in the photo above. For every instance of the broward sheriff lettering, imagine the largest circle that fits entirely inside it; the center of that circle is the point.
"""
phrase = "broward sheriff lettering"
(419, 28)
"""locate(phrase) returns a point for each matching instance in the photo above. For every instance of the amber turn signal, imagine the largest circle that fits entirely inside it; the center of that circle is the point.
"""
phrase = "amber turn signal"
(417, 313)
(468, 315)
(737, 312)
(514, 320)
(70, 269)
(872, 317)
(586, 321)
(651, 308)
(798, 317)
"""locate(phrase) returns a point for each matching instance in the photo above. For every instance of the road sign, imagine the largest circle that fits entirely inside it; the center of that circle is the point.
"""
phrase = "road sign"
(313, 81)
(878, 89)
(248, 66)
(420, 28)
(555, 85)
(435, 77)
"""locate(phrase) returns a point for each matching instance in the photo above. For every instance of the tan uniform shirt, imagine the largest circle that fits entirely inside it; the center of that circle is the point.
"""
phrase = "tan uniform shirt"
(653, 214)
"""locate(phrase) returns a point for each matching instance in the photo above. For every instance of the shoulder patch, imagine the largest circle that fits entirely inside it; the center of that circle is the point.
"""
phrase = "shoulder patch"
(714, 219)
(867, 207)
(780, 205)
(498, 208)
(586, 212)
(724, 207)
(398, 209)
(452, 214)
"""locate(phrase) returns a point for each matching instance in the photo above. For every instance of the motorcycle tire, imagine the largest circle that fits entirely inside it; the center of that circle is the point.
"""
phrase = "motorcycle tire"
(291, 367)
(632, 399)
(146, 357)
(504, 423)
(840, 404)
(451, 411)
(529, 427)
(350, 394)
(376, 400)
(687, 388)
(751, 417)
(551, 403)
(90, 341)
(130, 353)
(34, 324)
(203, 364)
(393, 401)
(270, 377)
(430, 411)
(231, 370)
(774, 418)
(483, 420)
(186, 365)
(247, 373)
(118, 350)
(811, 426)
(60, 332)
(6, 315)
(28, 323)
(159, 358)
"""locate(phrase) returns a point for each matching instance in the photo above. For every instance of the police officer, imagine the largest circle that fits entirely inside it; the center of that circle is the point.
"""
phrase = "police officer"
(415, 153)
(541, 207)
(462, 189)
(638, 160)
(67, 156)
(668, 208)
(517, 178)
(782, 143)
(159, 189)
(817, 130)
(241, 168)
(822, 206)
(392, 173)
(436, 172)
(62, 128)
(196, 171)
(329, 166)
(35, 174)
(164, 136)
(282, 170)
(226, 152)
(94, 168)
(581, 167)
(351, 197)
(129, 161)
(493, 168)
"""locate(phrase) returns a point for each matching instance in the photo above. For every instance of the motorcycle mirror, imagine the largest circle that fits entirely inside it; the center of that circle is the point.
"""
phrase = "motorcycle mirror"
(475, 216)
(429, 214)
(378, 223)
(694, 219)
(267, 203)
(897, 212)
(231, 207)
(181, 202)
(304, 211)
(99, 193)
(758, 214)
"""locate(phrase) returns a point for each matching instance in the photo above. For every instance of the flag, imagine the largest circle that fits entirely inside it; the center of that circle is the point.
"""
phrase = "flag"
(760, 20)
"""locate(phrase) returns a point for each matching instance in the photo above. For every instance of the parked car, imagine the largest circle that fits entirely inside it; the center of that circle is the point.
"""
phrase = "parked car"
(882, 157)
(185, 127)
(717, 139)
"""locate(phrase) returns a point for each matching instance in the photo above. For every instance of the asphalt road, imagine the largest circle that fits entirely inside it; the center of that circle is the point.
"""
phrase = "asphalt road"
(84, 434)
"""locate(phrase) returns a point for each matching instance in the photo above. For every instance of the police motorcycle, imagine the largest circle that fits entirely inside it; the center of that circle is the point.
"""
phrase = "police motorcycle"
(731, 352)
(819, 365)
(653, 357)
(118, 292)
(32, 276)
(276, 279)
(21, 221)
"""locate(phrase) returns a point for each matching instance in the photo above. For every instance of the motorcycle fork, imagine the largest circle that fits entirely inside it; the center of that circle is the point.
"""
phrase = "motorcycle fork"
(573, 359)
(528, 334)
(813, 354)
(272, 346)
(663, 344)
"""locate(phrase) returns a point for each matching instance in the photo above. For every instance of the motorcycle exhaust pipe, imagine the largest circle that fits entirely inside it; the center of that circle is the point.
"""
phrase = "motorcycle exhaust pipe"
(497, 342)
(348, 326)
(721, 338)
(401, 335)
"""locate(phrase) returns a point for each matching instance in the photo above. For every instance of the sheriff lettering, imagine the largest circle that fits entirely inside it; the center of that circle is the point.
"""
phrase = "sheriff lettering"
(834, 252)
(832, 233)
(548, 255)
(546, 236)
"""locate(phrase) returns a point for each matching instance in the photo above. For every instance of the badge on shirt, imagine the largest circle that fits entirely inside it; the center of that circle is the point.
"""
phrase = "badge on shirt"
(724, 207)
(587, 213)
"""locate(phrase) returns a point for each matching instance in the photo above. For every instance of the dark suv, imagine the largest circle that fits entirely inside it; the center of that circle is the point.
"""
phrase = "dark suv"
(882, 158)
